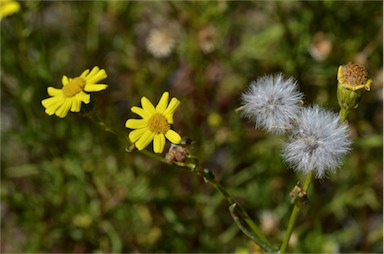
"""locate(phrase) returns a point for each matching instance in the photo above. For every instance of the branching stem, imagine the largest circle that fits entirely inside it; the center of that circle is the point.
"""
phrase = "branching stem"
(295, 211)
(294, 214)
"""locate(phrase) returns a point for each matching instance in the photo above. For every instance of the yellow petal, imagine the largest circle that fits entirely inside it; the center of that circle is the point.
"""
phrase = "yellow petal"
(50, 111)
(147, 106)
(84, 97)
(145, 139)
(64, 108)
(8, 8)
(95, 87)
(173, 136)
(96, 75)
(163, 102)
(173, 105)
(49, 102)
(93, 72)
(65, 80)
(169, 118)
(76, 105)
(136, 123)
(52, 104)
(54, 91)
(84, 74)
(136, 134)
(141, 112)
(158, 143)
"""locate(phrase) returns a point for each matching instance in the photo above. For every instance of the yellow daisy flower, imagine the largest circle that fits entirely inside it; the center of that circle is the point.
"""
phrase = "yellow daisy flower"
(70, 96)
(8, 7)
(155, 124)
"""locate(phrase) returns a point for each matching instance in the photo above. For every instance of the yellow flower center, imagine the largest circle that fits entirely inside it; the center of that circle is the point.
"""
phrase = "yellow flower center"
(158, 124)
(74, 86)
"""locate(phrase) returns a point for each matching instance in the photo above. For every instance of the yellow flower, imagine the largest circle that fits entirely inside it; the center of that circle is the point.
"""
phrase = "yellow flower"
(155, 124)
(70, 96)
(8, 7)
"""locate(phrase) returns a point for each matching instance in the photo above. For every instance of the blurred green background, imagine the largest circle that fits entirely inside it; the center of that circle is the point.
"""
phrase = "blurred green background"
(69, 186)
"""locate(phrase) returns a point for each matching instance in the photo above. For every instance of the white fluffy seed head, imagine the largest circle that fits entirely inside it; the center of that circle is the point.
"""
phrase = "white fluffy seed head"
(318, 142)
(272, 102)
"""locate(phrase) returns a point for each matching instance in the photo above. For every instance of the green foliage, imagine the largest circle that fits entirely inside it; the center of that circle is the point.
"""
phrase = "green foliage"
(67, 185)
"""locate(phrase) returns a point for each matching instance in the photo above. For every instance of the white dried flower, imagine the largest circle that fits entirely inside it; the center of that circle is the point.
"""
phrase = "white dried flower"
(160, 43)
(318, 142)
(272, 102)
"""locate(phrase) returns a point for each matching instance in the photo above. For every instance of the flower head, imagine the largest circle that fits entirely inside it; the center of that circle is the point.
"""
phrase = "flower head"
(155, 124)
(354, 77)
(318, 142)
(73, 92)
(353, 81)
(272, 102)
(8, 7)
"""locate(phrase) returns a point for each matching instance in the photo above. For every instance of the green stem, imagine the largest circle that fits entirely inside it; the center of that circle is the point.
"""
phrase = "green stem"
(256, 234)
(258, 237)
(153, 156)
(308, 181)
(343, 115)
(248, 233)
(294, 214)
(295, 211)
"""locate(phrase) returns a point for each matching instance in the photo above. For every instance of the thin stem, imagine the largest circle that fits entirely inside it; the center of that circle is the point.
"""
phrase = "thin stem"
(294, 214)
(291, 224)
(152, 155)
(256, 234)
(248, 233)
(343, 115)
(308, 181)
(259, 238)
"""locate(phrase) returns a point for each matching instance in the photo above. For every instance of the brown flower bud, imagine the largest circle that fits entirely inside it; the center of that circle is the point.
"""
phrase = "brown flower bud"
(353, 81)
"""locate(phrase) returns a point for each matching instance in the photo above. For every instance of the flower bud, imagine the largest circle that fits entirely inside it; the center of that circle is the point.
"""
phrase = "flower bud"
(352, 82)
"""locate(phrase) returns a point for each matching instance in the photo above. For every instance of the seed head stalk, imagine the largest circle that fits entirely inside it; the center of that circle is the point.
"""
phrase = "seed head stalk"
(296, 208)
(353, 81)
(294, 214)
(343, 115)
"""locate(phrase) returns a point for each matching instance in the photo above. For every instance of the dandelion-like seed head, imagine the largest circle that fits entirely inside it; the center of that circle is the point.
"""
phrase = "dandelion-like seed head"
(318, 142)
(272, 102)
(155, 124)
